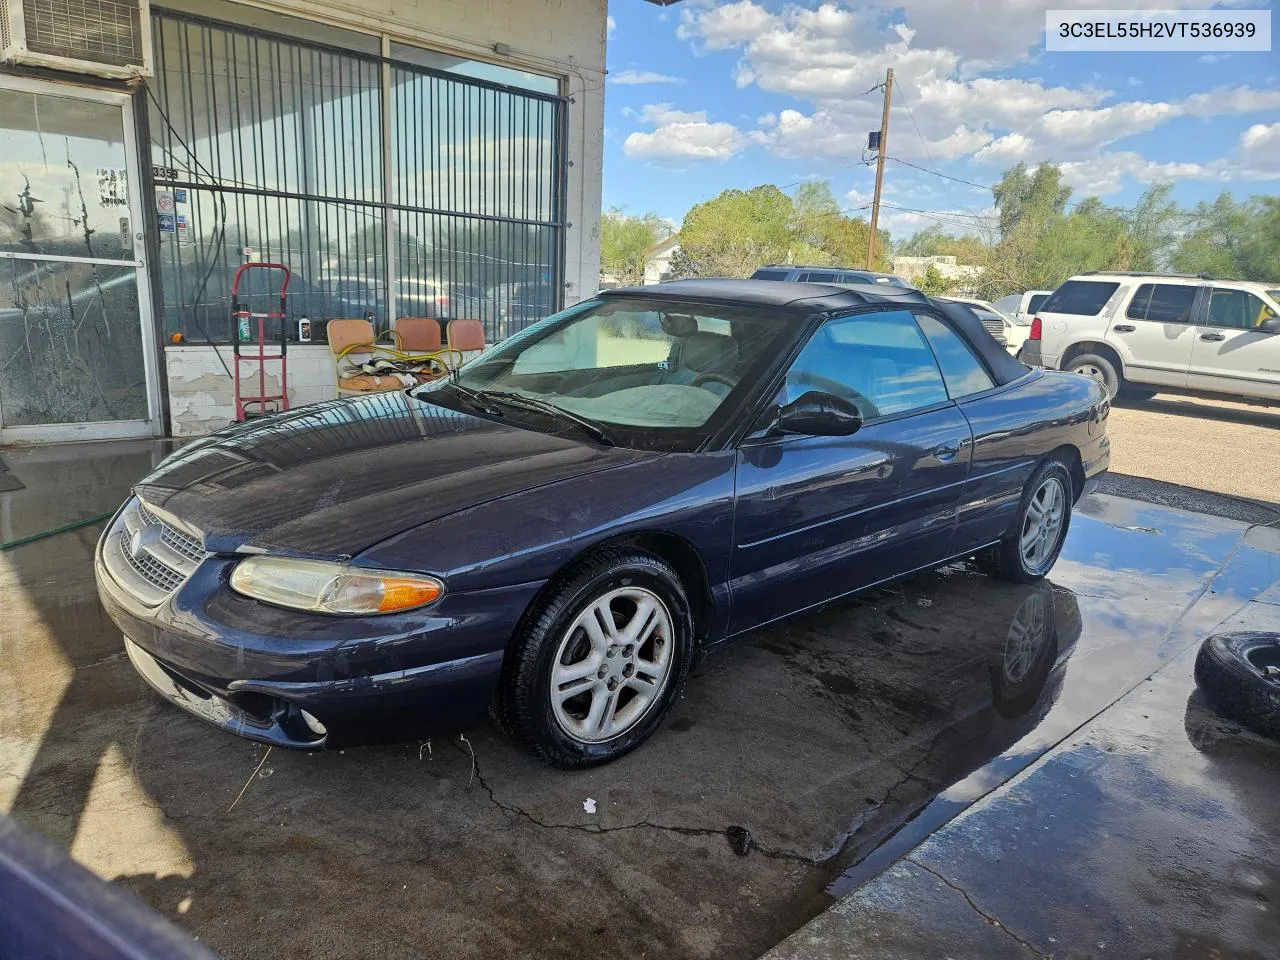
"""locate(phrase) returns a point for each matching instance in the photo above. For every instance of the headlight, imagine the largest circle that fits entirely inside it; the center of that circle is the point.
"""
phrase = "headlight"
(332, 587)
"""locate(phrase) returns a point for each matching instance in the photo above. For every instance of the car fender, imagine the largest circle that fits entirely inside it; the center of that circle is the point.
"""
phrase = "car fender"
(529, 536)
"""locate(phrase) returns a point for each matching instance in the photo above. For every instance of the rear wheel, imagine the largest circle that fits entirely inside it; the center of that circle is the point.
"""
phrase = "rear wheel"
(1030, 547)
(1098, 368)
(600, 662)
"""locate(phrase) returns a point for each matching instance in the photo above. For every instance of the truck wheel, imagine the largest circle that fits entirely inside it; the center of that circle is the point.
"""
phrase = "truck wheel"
(1239, 674)
(1099, 368)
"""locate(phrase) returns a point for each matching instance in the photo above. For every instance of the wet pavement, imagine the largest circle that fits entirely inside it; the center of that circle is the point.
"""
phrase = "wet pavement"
(820, 738)
(1150, 832)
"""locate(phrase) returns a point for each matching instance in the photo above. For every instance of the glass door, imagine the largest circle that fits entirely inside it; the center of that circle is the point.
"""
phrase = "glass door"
(77, 349)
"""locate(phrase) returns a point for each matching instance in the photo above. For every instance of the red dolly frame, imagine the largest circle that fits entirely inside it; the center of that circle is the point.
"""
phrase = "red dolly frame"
(261, 357)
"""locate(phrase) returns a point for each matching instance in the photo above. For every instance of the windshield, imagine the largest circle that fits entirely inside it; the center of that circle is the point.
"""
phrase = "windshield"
(655, 373)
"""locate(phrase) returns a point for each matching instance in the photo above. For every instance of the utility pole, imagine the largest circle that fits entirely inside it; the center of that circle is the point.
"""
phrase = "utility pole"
(884, 146)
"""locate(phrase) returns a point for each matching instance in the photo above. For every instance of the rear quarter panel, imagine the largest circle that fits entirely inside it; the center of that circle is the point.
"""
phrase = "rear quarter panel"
(1014, 430)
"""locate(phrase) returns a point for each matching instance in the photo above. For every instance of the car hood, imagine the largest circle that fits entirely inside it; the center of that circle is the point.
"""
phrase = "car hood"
(334, 478)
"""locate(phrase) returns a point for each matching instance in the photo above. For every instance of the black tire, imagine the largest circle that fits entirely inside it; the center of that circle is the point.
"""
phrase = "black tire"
(1087, 363)
(1230, 671)
(523, 704)
(1006, 560)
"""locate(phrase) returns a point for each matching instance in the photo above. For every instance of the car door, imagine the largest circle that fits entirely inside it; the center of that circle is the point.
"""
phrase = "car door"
(819, 517)
(1154, 333)
(1230, 353)
(1002, 460)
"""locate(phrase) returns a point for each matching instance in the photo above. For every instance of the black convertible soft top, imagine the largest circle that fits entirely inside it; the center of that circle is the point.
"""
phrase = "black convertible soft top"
(800, 300)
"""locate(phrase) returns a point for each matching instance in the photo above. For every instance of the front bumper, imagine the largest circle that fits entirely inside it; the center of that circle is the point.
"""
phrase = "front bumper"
(302, 680)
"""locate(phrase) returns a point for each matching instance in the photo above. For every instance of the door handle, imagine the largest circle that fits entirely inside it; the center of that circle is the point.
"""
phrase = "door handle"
(947, 451)
(1212, 337)
(1124, 328)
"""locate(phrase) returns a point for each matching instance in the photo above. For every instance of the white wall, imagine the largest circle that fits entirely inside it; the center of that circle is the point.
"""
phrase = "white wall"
(201, 395)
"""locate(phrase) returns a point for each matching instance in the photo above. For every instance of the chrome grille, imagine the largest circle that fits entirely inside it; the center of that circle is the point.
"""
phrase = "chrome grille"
(148, 555)
(187, 545)
(148, 567)
(996, 329)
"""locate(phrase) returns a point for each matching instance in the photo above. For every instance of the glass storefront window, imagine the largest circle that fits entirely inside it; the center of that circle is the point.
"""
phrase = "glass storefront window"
(272, 150)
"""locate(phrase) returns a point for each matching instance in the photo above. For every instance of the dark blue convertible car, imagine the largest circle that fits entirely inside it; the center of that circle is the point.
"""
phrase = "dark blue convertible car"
(557, 532)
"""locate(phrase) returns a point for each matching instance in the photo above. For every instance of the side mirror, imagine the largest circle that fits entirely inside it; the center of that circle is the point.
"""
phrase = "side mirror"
(1269, 326)
(819, 414)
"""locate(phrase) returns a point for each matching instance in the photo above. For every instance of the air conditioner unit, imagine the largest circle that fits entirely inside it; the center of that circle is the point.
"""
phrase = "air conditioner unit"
(103, 38)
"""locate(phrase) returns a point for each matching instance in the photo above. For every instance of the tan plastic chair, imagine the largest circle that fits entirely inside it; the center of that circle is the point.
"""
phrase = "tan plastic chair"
(466, 337)
(351, 343)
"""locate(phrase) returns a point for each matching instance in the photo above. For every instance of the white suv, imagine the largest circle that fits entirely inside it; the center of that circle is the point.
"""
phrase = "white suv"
(1153, 332)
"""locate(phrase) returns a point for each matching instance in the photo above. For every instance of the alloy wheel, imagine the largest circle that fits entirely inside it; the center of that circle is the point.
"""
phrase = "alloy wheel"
(612, 664)
(1042, 525)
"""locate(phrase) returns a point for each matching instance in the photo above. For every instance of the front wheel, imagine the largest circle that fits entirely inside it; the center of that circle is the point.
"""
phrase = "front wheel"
(599, 662)
(1030, 547)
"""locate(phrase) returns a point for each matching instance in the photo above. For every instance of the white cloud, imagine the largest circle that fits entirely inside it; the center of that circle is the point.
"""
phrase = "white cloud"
(610, 25)
(682, 135)
(1260, 149)
(1006, 151)
(1212, 58)
(634, 77)
(724, 26)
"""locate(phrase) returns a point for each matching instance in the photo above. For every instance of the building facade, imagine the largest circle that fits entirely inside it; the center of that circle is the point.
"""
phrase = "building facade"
(400, 159)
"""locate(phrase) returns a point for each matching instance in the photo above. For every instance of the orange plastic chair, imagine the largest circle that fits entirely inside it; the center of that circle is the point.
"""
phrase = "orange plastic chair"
(417, 335)
(465, 335)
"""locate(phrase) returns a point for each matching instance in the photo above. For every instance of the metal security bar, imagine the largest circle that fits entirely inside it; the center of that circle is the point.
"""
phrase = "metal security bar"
(273, 149)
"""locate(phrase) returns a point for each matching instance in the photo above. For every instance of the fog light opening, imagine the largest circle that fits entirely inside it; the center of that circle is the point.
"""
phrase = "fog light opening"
(313, 724)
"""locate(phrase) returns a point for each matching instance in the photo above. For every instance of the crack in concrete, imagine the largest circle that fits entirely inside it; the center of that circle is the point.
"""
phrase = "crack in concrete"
(988, 917)
(754, 845)
(772, 853)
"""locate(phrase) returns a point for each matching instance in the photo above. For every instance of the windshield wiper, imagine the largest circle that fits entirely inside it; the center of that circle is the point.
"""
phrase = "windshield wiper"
(475, 397)
(584, 424)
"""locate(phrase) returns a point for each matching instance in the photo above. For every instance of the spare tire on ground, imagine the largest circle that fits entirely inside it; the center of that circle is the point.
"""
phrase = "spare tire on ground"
(1239, 674)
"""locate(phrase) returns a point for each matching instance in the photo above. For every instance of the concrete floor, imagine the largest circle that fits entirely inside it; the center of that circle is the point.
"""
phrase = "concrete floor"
(821, 738)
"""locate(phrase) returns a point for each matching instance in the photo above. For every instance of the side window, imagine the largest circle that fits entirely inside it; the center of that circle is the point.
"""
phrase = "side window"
(1081, 298)
(878, 361)
(1237, 309)
(819, 278)
(1036, 302)
(1162, 302)
(963, 372)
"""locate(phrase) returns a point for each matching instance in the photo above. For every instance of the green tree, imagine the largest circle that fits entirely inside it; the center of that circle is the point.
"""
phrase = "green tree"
(1153, 226)
(625, 241)
(1230, 238)
(733, 234)
(933, 283)
(1036, 197)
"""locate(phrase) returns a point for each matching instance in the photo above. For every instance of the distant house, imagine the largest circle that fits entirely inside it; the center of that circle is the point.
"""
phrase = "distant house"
(913, 269)
(657, 259)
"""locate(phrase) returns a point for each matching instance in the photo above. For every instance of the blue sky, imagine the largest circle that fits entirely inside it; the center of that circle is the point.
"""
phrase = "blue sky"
(707, 95)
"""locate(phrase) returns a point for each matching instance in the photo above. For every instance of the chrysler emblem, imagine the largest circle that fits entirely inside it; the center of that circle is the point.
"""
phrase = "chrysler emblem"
(144, 538)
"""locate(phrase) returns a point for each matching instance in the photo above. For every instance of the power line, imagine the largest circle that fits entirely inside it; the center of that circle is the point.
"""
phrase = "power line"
(916, 166)
(928, 153)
